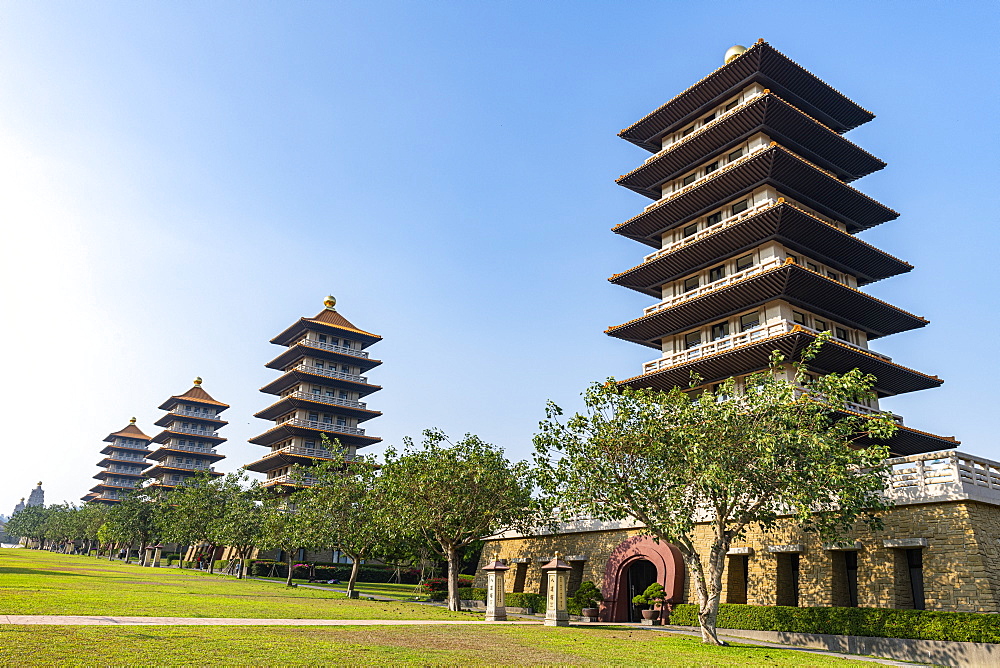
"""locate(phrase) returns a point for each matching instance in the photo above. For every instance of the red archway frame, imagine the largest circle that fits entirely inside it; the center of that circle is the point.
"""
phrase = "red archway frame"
(669, 573)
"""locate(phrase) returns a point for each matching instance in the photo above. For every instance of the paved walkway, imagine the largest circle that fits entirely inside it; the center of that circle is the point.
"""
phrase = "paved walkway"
(89, 620)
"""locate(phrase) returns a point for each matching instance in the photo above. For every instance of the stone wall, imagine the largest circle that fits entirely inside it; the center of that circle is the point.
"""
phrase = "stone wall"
(961, 559)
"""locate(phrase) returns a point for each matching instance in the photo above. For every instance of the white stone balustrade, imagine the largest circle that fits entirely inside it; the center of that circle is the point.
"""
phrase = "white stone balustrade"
(312, 343)
(712, 229)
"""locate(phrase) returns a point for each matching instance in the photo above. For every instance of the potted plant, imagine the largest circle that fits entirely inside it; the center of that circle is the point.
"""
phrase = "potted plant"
(652, 597)
(588, 596)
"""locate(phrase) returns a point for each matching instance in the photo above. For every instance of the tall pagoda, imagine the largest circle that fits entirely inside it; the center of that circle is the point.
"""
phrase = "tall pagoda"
(189, 438)
(753, 227)
(319, 394)
(124, 459)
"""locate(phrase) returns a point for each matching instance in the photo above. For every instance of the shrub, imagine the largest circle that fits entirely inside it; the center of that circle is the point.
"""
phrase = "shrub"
(189, 564)
(874, 622)
(342, 572)
(221, 563)
(526, 600)
(472, 594)
(168, 557)
(441, 584)
(438, 595)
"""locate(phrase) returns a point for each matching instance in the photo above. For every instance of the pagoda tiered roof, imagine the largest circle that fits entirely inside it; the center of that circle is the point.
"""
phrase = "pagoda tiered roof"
(774, 117)
(307, 347)
(761, 64)
(196, 395)
(356, 409)
(782, 221)
(314, 429)
(131, 431)
(774, 165)
(327, 320)
(305, 373)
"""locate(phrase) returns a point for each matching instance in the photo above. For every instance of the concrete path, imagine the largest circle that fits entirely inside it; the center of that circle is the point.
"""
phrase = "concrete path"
(87, 620)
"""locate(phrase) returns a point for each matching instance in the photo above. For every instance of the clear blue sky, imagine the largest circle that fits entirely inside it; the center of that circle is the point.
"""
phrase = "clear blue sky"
(180, 181)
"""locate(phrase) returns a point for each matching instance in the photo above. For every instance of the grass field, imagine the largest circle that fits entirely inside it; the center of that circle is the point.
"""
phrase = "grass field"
(38, 583)
(379, 645)
(403, 592)
(42, 583)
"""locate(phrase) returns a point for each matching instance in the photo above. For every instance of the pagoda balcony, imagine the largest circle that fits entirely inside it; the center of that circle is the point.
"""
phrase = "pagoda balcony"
(771, 165)
(763, 113)
(751, 350)
(761, 64)
(308, 373)
(309, 400)
(192, 448)
(119, 457)
(343, 350)
(308, 428)
(333, 401)
(195, 432)
(303, 346)
(943, 476)
(295, 454)
(324, 426)
(329, 373)
(769, 220)
(771, 280)
(182, 467)
(291, 480)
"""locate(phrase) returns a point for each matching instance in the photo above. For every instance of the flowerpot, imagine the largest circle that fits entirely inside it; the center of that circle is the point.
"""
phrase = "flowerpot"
(650, 614)
(590, 613)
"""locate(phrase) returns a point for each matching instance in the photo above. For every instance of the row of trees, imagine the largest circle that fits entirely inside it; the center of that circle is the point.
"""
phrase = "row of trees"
(777, 443)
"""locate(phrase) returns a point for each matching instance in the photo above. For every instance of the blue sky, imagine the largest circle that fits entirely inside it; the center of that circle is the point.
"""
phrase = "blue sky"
(180, 181)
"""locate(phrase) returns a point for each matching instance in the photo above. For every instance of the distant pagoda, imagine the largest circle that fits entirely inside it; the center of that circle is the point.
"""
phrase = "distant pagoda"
(753, 227)
(189, 438)
(124, 459)
(320, 392)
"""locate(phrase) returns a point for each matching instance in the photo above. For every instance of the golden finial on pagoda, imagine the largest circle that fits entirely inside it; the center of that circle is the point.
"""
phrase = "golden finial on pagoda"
(734, 52)
(330, 302)
(197, 381)
(131, 420)
(39, 483)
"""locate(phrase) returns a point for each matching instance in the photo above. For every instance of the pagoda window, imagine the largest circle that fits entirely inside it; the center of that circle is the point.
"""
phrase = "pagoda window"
(321, 338)
(812, 267)
(713, 219)
(689, 179)
(691, 284)
(711, 167)
(345, 368)
(819, 324)
(720, 331)
(834, 275)
(330, 393)
(749, 321)
(318, 364)
(690, 230)
(732, 105)
(793, 258)
(317, 389)
(717, 273)
(343, 394)
(798, 318)
(687, 131)
(327, 418)
(843, 334)
(744, 262)
(691, 340)
(314, 417)
(735, 155)
(741, 206)
(708, 119)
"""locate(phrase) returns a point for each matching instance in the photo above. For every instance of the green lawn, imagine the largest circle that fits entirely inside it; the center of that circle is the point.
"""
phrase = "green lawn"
(405, 592)
(42, 583)
(378, 645)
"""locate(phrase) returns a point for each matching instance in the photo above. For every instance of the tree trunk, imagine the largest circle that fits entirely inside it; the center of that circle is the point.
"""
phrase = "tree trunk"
(288, 561)
(708, 586)
(211, 559)
(353, 579)
(453, 603)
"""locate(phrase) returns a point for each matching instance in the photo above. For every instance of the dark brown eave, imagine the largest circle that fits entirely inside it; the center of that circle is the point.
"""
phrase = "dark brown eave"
(279, 459)
(908, 441)
(303, 348)
(172, 402)
(289, 378)
(833, 357)
(107, 461)
(167, 451)
(789, 282)
(131, 431)
(288, 403)
(163, 469)
(108, 449)
(101, 475)
(178, 417)
(281, 432)
(762, 64)
(783, 222)
(774, 117)
(776, 166)
(303, 325)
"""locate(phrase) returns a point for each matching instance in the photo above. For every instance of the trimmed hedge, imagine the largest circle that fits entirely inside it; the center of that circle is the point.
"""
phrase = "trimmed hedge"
(873, 622)
(325, 572)
(525, 600)
(472, 594)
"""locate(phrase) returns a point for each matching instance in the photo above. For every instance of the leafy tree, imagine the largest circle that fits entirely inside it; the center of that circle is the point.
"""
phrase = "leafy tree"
(240, 520)
(346, 507)
(30, 523)
(194, 506)
(61, 525)
(285, 528)
(136, 519)
(743, 455)
(455, 493)
(91, 517)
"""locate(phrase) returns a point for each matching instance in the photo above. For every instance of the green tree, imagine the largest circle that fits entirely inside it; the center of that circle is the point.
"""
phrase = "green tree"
(743, 455)
(136, 519)
(29, 522)
(346, 506)
(92, 517)
(193, 508)
(240, 520)
(455, 493)
(61, 525)
(285, 528)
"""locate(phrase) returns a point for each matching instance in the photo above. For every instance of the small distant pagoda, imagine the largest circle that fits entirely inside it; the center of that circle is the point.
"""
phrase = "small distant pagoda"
(189, 438)
(124, 460)
(320, 392)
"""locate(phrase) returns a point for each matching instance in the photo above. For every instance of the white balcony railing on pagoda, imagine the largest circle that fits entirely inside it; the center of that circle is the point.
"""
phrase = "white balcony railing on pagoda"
(324, 426)
(706, 177)
(306, 341)
(329, 373)
(712, 229)
(305, 451)
(198, 414)
(186, 467)
(706, 126)
(736, 276)
(194, 432)
(124, 469)
(325, 399)
(291, 479)
(117, 456)
(193, 448)
(747, 337)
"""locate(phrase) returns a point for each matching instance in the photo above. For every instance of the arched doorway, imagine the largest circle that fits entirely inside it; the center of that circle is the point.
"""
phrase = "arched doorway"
(634, 563)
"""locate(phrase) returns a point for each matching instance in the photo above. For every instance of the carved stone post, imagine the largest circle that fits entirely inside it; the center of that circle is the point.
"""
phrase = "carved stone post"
(147, 556)
(158, 552)
(496, 608)
(557, 571)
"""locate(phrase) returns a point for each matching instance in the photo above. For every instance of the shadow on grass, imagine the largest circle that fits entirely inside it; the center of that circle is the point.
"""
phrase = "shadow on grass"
(5, 570)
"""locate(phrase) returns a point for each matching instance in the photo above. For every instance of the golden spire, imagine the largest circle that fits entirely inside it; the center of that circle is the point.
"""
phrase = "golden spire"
(131, 421)
(734, 52)
(330, 302)
(197, 381)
